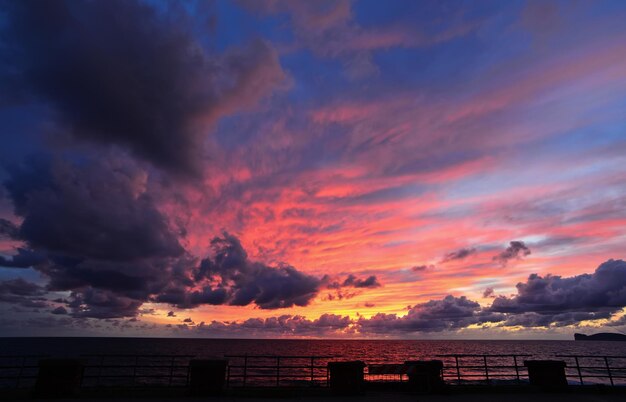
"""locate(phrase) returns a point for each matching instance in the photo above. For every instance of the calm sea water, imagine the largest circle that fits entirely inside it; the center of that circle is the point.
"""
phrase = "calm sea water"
(370, 351)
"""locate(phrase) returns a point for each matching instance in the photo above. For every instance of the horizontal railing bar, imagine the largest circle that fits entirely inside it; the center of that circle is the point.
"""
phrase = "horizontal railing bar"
(21, 356)
(477, 355)
(482, 366)
(135, 376)
(274, 367)
(133, 366)
(481, 375)
(95, 387)
(17, 367)
(274, 376)
(282, 357)
(131, 355)
(594, 356)
(598, 367)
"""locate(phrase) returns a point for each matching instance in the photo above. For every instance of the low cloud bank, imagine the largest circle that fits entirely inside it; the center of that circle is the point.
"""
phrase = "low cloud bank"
(550, 301)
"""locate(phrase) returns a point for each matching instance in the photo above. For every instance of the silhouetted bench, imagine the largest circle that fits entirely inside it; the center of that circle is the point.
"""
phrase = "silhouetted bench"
(58, 378)
(546, 373)
(207, 377)
(425, 375)
(346, 378)
(387, 369)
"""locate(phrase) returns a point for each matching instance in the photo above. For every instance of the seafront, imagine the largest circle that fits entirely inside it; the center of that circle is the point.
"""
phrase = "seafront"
(380, 396)
(466, 377)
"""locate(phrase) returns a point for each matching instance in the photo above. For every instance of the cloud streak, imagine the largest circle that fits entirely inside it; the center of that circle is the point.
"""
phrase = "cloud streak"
(515, 251)
(458, 255)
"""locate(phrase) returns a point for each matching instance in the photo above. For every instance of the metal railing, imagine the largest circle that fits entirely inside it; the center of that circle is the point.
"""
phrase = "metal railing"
(388, 372)
(136, 370)
(104, 370)
(273, 370)
(487, 368)
(19, 371)
(608, 370)
(462, 369)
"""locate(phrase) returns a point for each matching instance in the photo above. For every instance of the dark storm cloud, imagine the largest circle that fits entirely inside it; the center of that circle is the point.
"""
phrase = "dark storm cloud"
(8, 229)
(449, 313)
(516, 250)
(94, 231)
(458, 254)
(531, 319)
(230, 277)
(100, 303)
(20, 287)
(369, 282)
(351, 281)
(89, 210)
(23, 259)
(347, 288)
(541, 301)
(18, 291)
(281, 325)
(59, 311)
(604, 290)
(120, 72)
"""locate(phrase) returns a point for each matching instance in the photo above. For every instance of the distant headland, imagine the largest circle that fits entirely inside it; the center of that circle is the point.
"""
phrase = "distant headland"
(602, 336)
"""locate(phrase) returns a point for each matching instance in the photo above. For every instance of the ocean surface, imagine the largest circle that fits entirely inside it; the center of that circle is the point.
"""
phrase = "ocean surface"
(370, 351)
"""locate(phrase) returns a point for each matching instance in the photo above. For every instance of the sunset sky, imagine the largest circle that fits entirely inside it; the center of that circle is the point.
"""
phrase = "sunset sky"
(404, 169)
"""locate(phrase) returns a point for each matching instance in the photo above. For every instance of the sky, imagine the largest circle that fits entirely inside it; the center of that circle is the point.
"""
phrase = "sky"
(327, 169)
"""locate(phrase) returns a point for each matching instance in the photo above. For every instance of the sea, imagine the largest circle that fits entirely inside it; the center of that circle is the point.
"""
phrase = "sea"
(369, 351)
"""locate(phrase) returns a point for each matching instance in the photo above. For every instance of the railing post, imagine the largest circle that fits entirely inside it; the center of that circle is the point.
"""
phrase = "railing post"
(188, 373)
(277, 371)
(346, 378)
(58, 377)
(100, 370)
(245, 369)
(327, 376)
(580, 376)
(486, 369)
(135, 368)
(312, 377)
(608, 369)
(425, 375)
(207, 377)
(228, 376)
(458, 369)
(546, 374)
(516, 368)
(171, 371)
(19, 373)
